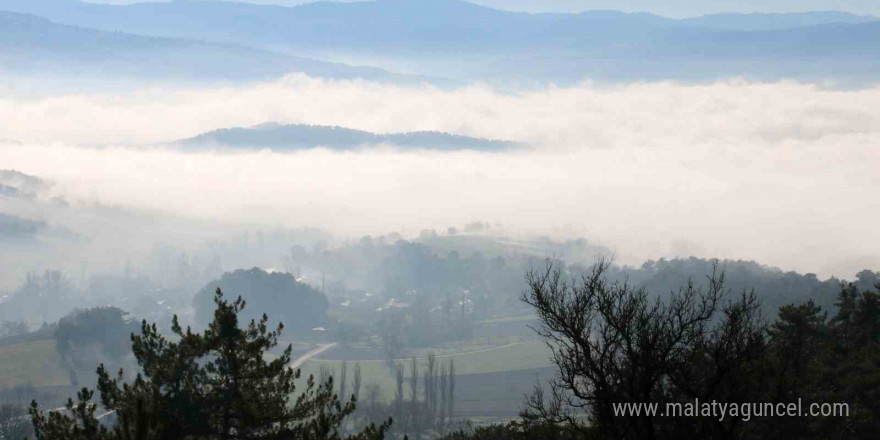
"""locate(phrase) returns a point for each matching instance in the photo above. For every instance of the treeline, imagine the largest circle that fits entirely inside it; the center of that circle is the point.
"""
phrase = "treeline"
(51, 297)
(426, 311)
(393, 269)
(423, 403)
(45, 297)
(775, 287)
(431, 414)
(616, 343)
(438, 267)
(490, 269)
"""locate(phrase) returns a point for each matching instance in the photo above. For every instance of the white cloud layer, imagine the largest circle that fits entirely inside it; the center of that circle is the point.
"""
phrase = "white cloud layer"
(782, 173)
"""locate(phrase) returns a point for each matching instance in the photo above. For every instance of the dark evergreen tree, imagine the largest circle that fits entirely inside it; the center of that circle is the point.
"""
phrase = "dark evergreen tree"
(851, 371)
(798, 341)
(214, 385)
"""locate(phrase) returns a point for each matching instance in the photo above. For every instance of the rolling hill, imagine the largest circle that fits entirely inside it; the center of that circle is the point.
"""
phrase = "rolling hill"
(301, 137)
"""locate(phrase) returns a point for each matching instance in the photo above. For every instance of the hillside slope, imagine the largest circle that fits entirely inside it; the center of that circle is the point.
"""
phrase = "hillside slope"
(299, 137)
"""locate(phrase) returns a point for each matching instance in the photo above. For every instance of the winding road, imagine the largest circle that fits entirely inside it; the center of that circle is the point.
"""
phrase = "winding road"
(302, 359)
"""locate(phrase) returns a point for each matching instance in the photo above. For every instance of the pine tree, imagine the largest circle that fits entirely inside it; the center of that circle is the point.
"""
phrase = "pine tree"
(216, 385)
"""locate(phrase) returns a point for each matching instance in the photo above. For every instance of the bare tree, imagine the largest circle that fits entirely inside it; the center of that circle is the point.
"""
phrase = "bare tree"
(611, 343)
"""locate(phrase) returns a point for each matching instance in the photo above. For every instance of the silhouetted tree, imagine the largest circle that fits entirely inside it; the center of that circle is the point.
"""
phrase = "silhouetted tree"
(851, 371)
(797, 348)
(612, 344)
(211, 385)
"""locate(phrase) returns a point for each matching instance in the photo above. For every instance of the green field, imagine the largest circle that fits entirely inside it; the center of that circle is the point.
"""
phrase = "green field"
(492, 379)
(31, 363)
(516, 356)
(505, 319)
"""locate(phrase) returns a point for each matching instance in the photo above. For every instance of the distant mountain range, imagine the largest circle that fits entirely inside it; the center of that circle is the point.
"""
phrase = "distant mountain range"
(775, 22)
(456, 39)
(34, 45)
(438, 22)
(301, 137)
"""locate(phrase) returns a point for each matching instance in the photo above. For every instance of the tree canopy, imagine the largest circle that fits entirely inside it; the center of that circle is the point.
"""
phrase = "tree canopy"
(299, 306)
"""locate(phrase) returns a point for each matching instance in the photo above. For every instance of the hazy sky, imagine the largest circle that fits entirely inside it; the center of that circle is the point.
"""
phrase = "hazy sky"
(670, 8)
(778, 173)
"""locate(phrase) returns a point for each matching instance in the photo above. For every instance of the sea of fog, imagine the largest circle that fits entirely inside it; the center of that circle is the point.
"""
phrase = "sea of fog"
(782, 173)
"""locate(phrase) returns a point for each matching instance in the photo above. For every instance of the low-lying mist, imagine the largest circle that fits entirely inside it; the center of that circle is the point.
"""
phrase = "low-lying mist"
(781, 173)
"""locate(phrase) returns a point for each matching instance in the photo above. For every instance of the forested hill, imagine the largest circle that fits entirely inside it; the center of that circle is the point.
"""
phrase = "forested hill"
(300, 137)
(495, 269)
(774, 287)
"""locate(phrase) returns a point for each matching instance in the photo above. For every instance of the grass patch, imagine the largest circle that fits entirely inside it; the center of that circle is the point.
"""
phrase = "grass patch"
(31, 363)
(505, 319)
(517, 356)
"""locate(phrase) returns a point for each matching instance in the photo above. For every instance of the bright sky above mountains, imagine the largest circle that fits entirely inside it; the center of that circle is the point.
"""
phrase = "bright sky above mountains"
(669, 8)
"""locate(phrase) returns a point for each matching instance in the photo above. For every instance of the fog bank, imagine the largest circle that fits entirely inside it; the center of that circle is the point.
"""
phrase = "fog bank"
(782, 173)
